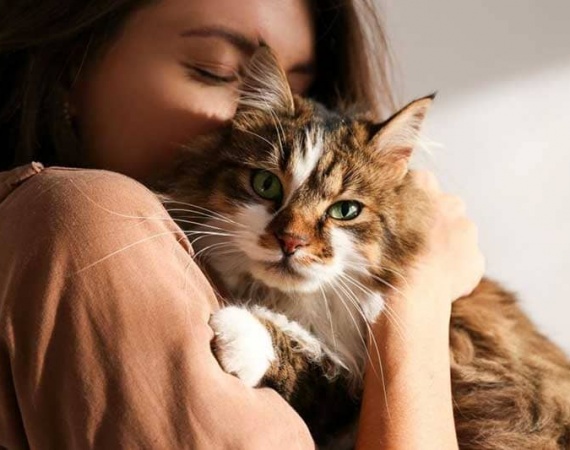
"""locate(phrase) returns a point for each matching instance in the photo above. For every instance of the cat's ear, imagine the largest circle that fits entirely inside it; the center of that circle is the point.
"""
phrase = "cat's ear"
(264, 90)
(395, 139)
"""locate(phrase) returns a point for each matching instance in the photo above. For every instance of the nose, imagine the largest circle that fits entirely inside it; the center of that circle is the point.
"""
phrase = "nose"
(290, 243)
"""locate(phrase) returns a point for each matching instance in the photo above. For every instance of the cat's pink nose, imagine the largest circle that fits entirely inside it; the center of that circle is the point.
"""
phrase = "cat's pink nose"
(290, 243)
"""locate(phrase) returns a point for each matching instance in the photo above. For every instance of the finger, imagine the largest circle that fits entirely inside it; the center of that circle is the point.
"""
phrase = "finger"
(454, 205)
(426, 180)
(481, 264)
(471, 229)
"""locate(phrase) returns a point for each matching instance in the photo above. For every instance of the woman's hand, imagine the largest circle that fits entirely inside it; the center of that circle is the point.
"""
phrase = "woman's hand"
(452, 264)
(407, 390)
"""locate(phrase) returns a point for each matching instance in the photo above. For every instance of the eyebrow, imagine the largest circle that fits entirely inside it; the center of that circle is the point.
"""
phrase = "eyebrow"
(235, 38)
(241, 42)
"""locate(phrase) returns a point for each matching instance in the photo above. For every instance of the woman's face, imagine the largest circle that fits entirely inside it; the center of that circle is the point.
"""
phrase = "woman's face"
(171, 75)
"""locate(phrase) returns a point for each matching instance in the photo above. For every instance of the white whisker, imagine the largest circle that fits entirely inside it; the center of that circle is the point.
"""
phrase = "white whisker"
(214, 213)
(375, 343)
(258, 136)
(205, 249)
(337, 284)
(209, 233)
(196, 215)
(390, 313)
(403, 278)
(199, 224)
(329, 315)
(148, 238)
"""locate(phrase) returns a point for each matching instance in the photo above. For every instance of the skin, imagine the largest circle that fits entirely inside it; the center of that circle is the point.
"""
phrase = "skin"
(412, 406)
(149, 93)
(156, 87)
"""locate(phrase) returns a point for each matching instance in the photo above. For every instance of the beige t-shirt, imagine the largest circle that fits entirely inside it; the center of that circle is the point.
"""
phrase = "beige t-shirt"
(104, 336)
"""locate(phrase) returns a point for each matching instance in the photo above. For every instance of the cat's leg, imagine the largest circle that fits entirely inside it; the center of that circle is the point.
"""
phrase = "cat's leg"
(256, 343)
(267, 349)
(242, 344)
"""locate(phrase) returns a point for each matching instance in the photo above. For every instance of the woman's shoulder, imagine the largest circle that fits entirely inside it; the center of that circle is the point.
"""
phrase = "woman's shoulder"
(81, 214)
(58, 201)
(33, 185)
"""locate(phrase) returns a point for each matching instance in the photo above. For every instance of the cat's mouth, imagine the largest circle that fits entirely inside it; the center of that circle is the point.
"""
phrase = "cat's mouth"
(285, 266)
(286, 275)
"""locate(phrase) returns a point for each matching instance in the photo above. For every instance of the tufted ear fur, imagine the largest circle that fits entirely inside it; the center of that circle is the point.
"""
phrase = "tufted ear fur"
(264, 90)
(395, 139)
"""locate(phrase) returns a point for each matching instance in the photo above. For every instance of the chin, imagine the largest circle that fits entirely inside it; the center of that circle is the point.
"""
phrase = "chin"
(284, 279)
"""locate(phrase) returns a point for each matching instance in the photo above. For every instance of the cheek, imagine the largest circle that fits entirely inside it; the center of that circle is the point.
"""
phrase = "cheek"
(252, 221)
(341, 244)
(349, 253)
(370, 252)
(133, 119)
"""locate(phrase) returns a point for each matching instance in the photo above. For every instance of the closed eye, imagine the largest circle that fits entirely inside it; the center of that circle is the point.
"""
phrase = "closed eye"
(210, 76)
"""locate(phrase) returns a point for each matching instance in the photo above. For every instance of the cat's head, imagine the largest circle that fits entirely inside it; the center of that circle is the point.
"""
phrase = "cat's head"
(296, 196)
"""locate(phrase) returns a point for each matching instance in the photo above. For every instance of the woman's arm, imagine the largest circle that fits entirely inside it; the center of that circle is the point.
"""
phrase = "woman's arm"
(104, 336)
(407, 398)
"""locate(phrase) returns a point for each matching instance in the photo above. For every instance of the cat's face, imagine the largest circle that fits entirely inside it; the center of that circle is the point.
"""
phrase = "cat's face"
(305, 206)
(301, 198)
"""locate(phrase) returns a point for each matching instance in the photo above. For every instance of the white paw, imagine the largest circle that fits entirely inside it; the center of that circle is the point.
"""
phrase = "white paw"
(242, 345)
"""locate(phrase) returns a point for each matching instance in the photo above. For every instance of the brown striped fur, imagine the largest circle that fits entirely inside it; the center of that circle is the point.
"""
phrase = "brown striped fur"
(511, 385)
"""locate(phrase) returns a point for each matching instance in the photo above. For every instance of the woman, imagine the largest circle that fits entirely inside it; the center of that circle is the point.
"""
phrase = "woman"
(104, 337)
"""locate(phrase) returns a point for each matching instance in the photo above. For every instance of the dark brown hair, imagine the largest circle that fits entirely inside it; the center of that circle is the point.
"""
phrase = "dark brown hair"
(45, 43)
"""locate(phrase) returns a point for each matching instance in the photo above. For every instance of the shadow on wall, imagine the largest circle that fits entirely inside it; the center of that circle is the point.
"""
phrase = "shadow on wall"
(466, 44)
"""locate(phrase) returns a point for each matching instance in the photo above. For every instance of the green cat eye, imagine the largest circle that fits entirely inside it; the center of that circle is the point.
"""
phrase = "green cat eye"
(267, 185)
(345, 210)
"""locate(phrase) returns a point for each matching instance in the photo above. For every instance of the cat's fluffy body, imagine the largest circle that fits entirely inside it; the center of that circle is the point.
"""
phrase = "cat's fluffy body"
(316, 290)
(511, 386)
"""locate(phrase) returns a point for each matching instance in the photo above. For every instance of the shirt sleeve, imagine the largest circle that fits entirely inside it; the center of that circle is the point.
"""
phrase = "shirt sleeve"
(104, 336)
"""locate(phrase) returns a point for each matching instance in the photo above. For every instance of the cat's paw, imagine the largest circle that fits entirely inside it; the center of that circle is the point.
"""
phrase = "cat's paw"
(242, 344)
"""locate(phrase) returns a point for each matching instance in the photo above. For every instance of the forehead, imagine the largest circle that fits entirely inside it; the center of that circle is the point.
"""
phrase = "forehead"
(316, 151)
(271, 21)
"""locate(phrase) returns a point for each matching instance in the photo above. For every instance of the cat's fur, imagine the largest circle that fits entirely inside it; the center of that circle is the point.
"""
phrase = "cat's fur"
(299, 322)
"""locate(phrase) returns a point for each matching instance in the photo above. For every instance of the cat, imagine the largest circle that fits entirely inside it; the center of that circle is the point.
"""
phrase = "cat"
(309, 218)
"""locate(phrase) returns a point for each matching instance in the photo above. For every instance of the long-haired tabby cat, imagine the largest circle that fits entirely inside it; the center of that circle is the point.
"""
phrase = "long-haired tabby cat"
(309, 218)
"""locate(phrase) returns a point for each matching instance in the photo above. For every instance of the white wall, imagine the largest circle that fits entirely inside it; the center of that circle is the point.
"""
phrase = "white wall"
(502, 115)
